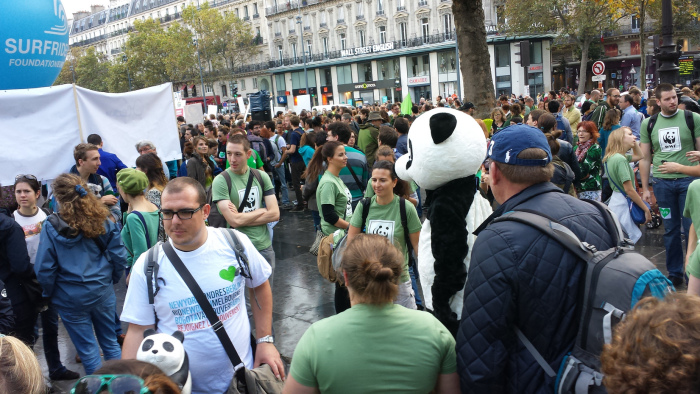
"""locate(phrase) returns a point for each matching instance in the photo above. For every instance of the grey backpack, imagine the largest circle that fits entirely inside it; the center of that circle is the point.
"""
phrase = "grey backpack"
(613, 282)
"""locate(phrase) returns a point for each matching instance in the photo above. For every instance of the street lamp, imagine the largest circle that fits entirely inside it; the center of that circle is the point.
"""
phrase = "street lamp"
(201, 78)
(128, 75)
(667, 55)
(301, 41)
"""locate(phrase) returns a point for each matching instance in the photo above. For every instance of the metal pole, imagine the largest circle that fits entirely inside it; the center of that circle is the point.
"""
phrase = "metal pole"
(459, 72)
(72, 71)
(668, 54)
(128, 75)
(306, 75)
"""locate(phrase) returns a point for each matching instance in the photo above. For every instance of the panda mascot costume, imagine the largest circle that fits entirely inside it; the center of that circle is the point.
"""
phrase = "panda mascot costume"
(167, 353)
(445, 151)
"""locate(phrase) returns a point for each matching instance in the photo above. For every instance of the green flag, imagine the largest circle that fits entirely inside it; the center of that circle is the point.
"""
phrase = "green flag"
(407, 105)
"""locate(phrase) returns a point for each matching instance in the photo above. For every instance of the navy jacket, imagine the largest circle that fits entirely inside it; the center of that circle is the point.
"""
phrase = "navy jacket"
(519, 276)
(14, 259)
(7, 317)
(109, 166)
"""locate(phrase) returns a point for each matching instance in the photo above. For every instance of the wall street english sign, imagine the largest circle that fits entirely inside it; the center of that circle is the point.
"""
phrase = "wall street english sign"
(367, 50)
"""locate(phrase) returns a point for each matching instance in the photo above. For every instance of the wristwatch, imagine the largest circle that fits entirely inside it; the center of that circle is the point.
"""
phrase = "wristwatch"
(265, 339)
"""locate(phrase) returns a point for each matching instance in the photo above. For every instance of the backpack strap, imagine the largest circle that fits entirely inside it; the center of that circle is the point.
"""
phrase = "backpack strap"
(237, 247)
(145, 227)
(357, 180)
(650, 127)
(151, 271)
(611, 221)
(406, 235)
(241, 204)
(366, 202)
(551, 228)
(690, 122)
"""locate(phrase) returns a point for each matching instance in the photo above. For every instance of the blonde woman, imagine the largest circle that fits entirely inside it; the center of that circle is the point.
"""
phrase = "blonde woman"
(616, 164)
(80, 257)
(19, 369)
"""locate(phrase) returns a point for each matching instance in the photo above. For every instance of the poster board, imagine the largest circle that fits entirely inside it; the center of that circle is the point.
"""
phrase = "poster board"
(193, 113)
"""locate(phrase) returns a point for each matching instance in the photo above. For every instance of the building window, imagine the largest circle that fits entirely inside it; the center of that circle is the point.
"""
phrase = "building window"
(323, 17)
(279, 51)
(404, 33)
(500, 15)
(342, 41)
(224, 90)
(382, 34)
(237, 14)
(380, 7)
(536, 52)
(364, 72)
(280, 84)
(425, 29)
(308, 47)
(325, 46)
(635, 22)
(361, 37)
(325, 76)
(307, 21)
(255, 83)
(388, 69)
(447, 25)
(255, 9)
(294, 50)
(360, 10)
(242, 84)
(208, 89)
(419, 66)
(245, 11)
(341, 14)
(344, 74)
(502, 55)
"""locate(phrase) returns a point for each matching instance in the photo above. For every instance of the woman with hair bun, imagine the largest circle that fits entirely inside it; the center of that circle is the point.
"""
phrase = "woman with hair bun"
(80, 257)
(375, 346)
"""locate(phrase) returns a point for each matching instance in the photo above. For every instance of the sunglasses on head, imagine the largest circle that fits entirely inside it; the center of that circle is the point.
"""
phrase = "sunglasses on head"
(25, 176)
(113, 384)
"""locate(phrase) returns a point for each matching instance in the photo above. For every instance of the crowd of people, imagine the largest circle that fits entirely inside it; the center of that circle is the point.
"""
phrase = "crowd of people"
(66, 243)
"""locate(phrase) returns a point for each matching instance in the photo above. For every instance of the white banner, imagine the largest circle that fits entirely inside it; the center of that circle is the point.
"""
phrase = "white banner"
(40, 127)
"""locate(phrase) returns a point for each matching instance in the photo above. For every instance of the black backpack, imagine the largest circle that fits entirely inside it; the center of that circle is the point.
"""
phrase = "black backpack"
(613, 282)
(689, 121)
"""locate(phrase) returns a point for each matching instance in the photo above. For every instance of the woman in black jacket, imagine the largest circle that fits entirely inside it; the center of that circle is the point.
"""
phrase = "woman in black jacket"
(200, 166)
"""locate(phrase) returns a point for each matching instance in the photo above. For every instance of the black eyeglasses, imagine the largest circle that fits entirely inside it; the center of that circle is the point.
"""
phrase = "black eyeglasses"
(25, 176)
(183, 214)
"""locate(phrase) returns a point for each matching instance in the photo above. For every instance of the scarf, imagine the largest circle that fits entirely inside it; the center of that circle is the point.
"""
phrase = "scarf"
(582, 150)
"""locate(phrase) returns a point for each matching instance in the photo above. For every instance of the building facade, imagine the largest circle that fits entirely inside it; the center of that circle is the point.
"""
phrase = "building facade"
(338, 52)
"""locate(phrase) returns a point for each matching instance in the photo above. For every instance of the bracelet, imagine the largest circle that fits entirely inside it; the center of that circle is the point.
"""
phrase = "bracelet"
(265, 339)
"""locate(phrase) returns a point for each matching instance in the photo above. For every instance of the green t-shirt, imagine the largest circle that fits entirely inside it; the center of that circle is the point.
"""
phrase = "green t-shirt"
(385, 220)
(332, 190)
(619, 171)
(259, 235)
(374, 349)
(692, 211)
(254, 161)
(134, 236)
(670, 141)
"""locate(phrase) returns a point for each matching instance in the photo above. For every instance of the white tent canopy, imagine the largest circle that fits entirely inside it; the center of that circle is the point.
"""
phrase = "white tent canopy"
(40, 127)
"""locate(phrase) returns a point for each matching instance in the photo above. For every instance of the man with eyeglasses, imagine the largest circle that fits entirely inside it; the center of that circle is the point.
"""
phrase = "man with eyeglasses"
(221, 276)
(257, 193)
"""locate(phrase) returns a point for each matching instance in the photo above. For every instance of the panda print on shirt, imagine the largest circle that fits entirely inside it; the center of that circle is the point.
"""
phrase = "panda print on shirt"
(348, 206)
(385, 228)
(252, 202)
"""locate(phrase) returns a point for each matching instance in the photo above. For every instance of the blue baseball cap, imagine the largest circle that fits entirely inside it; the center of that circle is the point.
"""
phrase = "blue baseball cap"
(506, 145)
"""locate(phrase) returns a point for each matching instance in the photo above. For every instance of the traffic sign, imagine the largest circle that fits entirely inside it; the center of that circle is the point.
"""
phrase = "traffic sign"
(598, 78)
(598, 68)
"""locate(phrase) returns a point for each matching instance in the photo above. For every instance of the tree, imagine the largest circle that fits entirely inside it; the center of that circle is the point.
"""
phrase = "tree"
(225, 41)
(66, 74)
(155, 55)
(474, 56)
(580, 21)
(89, 67)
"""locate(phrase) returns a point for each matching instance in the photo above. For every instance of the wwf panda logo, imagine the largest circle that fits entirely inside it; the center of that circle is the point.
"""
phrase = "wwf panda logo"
(251, 203)
(670, 139)
(385, 228)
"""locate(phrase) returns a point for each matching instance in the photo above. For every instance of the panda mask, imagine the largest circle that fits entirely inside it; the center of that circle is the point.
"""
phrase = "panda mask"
(443, 145)
(167, 353)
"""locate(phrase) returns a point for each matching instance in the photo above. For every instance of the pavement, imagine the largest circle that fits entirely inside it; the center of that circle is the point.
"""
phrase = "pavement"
(301, 296)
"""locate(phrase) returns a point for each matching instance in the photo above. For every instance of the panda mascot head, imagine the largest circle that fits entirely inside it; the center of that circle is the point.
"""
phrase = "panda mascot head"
(443, 145)
(167, 353)
(445, 150)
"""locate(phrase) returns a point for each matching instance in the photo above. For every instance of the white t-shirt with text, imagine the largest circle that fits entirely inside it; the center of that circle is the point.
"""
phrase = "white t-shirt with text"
(217, 271)
(31, 225)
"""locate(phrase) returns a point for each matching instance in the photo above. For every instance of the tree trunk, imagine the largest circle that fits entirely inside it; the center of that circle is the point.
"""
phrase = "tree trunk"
(582, 76)
(642, 47)
(474, 57)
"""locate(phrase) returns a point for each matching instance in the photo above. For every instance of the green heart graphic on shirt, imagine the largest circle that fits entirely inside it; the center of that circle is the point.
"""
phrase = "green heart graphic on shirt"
(665, 212)
(228, 274)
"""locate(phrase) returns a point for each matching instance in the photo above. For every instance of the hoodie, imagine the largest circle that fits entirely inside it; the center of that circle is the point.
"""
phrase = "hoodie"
(74, 270)
(14, 259)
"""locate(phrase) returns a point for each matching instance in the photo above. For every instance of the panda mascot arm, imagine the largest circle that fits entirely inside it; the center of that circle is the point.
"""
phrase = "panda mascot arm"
(445, 150)
(167, 353)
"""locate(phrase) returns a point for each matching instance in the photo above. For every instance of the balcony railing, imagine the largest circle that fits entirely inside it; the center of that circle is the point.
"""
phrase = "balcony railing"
(290, 5)
(116, 50)
(307, 28)
(360, 17)
(89, 40)
(323, 24)
(400, 8)
(292, 31)
(256, 16)
(341, 21)
(380, 12)
(278, 34)
(422, 3)
(246, 18)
